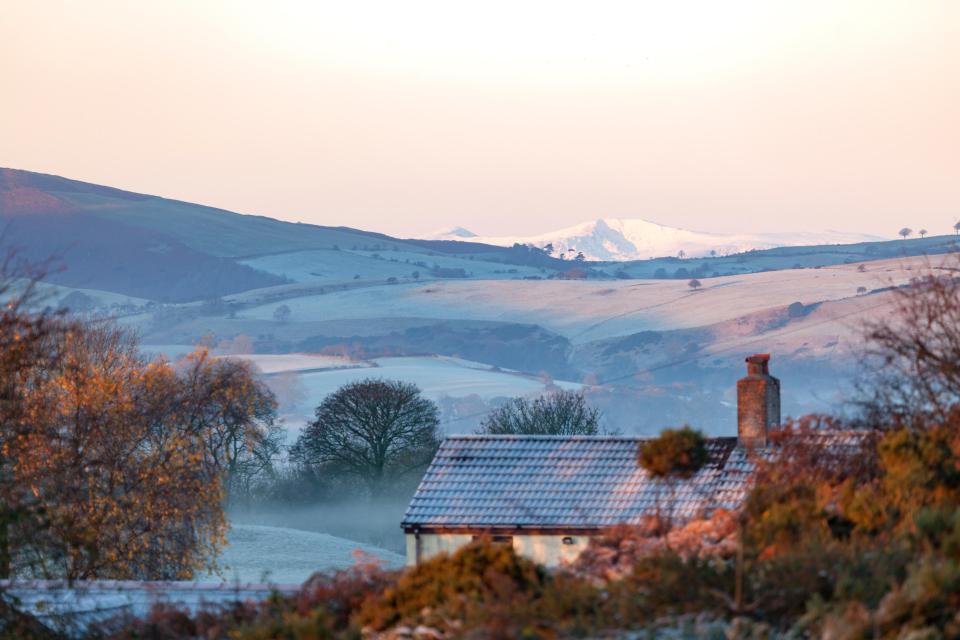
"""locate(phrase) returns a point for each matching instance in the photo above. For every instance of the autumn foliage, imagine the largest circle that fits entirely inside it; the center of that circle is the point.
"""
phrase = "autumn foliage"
(113, 465)
(120, 485)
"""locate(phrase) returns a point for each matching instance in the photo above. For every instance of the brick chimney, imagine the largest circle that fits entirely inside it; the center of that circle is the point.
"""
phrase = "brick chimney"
(758, 402)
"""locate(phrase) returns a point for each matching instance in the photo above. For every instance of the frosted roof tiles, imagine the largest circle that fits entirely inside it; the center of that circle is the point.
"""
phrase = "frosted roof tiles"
(565, 482)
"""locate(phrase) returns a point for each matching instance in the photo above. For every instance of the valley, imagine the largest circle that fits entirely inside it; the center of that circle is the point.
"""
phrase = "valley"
(472, 324)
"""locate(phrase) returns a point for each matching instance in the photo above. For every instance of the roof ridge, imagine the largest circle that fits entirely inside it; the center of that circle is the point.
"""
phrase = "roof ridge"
(596, 438)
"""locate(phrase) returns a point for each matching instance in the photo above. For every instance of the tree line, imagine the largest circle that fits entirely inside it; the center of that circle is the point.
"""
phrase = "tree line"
(381, 434)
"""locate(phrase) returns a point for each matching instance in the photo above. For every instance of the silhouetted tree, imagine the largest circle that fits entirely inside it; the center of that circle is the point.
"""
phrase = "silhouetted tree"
(694, 284)
(560, 413)
(282, 313)
(377, 430)
(922, 232)
(956, 228)
(906, 231)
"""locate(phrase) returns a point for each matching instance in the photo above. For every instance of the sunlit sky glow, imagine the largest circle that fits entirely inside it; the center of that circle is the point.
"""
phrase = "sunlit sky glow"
(503, 117)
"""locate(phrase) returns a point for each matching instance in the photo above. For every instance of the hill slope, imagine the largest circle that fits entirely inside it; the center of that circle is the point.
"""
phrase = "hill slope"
(168, 250)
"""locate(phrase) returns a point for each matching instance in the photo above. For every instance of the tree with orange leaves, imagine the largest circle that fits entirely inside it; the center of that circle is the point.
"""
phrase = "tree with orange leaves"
(119, 475)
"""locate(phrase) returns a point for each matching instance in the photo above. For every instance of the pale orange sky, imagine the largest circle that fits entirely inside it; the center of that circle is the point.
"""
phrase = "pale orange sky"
(503, 117)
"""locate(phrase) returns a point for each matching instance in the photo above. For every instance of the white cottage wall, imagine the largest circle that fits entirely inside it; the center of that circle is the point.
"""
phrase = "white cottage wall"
(546, 550)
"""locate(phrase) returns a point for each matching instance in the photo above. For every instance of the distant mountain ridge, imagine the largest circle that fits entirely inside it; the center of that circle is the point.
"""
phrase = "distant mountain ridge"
(621, 239)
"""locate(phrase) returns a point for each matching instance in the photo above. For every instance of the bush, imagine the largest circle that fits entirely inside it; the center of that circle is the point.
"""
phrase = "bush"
(666, 584)
(676, 452)
(481, 584)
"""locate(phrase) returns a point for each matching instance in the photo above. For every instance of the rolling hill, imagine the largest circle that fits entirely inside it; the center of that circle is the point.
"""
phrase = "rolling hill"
(472, 323)
(168, 250)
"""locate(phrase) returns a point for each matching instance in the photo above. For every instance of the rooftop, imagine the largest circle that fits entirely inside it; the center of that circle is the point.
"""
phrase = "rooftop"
(565, 482)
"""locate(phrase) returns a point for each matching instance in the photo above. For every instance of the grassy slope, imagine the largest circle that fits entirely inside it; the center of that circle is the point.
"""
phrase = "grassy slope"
(163, 249)
(590, 310)
(217, 231)
(787, 258)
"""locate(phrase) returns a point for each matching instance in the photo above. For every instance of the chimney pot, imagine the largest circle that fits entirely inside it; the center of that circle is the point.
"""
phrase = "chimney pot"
(758, 402)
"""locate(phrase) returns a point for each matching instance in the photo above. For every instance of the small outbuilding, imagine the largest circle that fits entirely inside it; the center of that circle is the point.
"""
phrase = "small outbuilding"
(546, 496)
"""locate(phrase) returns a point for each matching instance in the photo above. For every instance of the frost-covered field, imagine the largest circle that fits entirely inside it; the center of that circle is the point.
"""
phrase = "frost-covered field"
(340, 266)
(436, 376)
(53, 294)
(302, 381)
(298, 362)
(257, 554)
(591, 310)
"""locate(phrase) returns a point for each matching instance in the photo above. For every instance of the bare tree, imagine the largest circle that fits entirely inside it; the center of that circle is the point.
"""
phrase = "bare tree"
(560, 413)
(376, 430)
(922, 232)
(913, 353)
(235, 415)
(906, 231)
(694, 284)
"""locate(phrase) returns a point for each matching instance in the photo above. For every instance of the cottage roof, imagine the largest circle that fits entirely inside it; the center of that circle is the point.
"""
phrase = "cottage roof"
(565, 482)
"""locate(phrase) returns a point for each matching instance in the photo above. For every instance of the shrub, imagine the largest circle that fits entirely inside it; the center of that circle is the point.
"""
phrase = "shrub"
(481, 584)
(676, 452)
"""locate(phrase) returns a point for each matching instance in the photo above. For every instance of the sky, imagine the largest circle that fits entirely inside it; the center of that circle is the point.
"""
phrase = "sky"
(503, 117)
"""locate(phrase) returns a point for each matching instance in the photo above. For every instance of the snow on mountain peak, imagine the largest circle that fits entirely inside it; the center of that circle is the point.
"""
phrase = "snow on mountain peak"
(614, 239)
(453, 233)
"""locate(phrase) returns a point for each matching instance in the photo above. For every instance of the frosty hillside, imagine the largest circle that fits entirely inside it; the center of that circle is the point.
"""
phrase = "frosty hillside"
(618, 239)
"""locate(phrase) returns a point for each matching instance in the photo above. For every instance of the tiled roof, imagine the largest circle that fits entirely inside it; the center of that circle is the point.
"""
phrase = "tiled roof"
(565, 482)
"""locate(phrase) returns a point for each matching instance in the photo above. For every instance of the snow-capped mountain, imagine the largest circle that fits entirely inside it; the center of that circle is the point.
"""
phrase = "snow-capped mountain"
(453, 233)
(613, 239)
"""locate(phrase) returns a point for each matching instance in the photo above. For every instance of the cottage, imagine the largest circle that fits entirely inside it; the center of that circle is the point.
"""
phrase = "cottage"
(548, 495)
